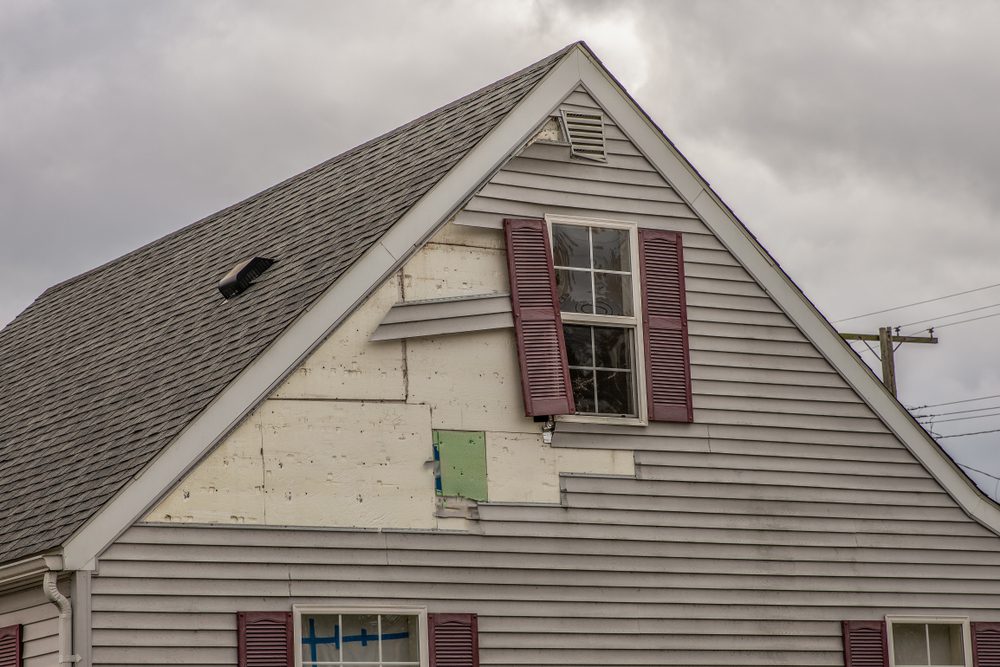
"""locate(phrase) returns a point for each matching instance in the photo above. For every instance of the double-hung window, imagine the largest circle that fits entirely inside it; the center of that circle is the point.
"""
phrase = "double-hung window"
(600, 319)
(595, 267)
(326, 637)
(928, 642)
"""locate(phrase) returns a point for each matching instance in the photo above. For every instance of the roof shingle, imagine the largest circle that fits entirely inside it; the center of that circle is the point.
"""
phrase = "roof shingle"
(104, 370)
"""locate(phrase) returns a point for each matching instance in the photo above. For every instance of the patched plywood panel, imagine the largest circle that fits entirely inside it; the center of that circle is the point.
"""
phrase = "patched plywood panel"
(226, 487)
(521, 468)
(347, 365)
(333, 463)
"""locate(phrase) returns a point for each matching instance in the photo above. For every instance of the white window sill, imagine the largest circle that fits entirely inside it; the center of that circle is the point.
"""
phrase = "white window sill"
(597, 419)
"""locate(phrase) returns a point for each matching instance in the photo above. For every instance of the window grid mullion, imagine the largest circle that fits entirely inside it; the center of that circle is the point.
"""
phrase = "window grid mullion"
(593, 361)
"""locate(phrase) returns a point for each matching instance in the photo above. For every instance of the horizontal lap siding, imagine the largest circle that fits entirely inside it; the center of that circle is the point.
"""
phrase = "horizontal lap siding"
(40, 625)
(745, 538)
(667, 584)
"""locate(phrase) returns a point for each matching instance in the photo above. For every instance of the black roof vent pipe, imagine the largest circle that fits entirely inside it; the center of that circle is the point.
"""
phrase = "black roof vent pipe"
(242, 276)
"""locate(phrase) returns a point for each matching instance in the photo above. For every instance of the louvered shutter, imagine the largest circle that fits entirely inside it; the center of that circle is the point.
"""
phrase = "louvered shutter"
(864, 644)
(986, 644)
(664, 318)
(537, 323)
(264, 638)
(10, 646)
(454, 640)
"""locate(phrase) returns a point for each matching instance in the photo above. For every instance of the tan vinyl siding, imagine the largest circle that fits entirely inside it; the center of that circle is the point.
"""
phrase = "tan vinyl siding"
(686, 582)
(744, 538)
(40, 625)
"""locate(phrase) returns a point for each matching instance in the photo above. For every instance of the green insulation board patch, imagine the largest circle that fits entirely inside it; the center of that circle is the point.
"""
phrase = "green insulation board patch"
(461, 463)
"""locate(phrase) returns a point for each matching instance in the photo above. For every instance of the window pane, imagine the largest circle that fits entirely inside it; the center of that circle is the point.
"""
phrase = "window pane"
(320, 638)
(360, 637)
(571, 246)
(400, 639)
(583, 389)
(611, 249)
(947, 647)
(909, 643)
(575, 291)
(579, 350)
(613, 346)
(614, 393)
(614, 294)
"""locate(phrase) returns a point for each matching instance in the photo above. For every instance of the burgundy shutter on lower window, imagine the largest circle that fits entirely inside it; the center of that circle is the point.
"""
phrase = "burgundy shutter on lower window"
(864, 644)
(454, 640)
(264, 638)
(10, 646)
(986, 644)
(537, 324)
(664, 318)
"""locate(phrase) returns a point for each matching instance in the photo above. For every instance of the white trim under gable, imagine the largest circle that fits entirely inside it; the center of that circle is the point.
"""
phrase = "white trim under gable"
(765, 270)
(269, 369)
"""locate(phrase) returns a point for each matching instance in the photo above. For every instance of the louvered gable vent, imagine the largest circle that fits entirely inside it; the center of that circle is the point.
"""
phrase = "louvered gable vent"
(585, 131)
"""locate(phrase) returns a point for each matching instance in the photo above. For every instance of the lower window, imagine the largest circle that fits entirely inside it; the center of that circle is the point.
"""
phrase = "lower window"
(602, 369)
(926, 642)
(377, 638)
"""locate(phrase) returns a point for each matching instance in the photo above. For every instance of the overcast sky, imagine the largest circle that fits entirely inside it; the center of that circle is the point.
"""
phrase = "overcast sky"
(856, 139)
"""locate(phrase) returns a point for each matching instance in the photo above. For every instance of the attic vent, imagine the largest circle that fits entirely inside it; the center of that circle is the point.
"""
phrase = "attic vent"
(586, 134)
(242, 275)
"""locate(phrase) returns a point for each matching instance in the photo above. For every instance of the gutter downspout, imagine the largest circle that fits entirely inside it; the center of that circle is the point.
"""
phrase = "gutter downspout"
(51, 588)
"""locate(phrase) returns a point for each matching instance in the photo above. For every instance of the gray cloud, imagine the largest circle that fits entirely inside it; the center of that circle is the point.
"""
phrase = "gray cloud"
(854, 138)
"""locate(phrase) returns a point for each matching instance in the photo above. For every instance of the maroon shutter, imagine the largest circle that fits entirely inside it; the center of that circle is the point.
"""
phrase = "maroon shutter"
(864, 644)
(264, 638)
(986, 644)
(664, 317)
(454, 640)
(10, 646)
(537, 323)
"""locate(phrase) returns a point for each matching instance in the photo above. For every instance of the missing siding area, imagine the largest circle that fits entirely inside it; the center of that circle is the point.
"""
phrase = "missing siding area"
(460, 464)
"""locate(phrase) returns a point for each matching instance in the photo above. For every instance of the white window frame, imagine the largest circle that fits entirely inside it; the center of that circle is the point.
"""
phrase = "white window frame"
(634, 322)
(929, 620)
(419, 612)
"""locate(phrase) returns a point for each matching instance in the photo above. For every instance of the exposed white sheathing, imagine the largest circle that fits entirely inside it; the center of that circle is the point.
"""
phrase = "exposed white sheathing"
(345, 441)
(522, 469)
(346, 365)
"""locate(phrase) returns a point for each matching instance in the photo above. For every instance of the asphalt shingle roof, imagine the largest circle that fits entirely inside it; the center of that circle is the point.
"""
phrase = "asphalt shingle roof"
(104, 370)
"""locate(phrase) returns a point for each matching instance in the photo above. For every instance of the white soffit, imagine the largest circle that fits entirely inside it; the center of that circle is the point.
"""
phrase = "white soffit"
(316, 323)
(741, 243)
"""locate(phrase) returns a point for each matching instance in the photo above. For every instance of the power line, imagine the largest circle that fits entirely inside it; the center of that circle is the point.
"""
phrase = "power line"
(981, 472)
(962, 435)
(971, 319)
(958, 412)
(959, 419)
(964, 400)
(941, 317)
(917, 303)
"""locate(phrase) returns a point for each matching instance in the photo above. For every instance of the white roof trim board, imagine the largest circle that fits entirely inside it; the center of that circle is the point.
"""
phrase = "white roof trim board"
(577, 67)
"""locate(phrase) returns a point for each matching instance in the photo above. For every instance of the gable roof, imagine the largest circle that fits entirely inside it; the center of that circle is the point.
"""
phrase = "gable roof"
(337, 230)
(104, 370)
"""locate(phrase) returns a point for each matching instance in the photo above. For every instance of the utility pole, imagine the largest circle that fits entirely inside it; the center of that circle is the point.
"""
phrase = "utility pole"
(885, 340)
